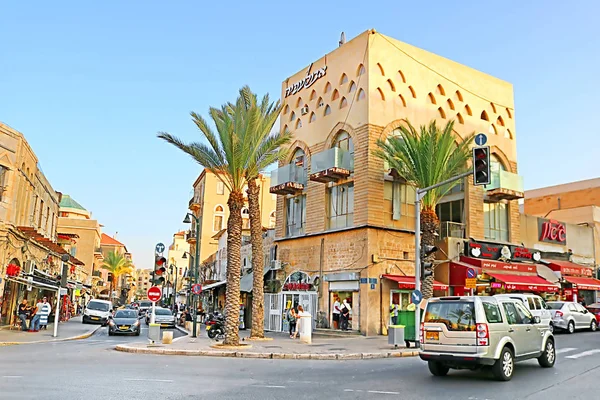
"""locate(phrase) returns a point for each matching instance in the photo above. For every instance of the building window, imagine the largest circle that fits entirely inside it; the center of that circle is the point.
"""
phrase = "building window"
(245, 217)
(341, 206)
(399, 200)
(3, 172)
(217, 222)
(295, 215)
(220, 187)
(496, 221)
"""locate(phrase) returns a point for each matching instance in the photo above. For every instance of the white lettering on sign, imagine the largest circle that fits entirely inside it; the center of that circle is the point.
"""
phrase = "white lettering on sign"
(307, 81)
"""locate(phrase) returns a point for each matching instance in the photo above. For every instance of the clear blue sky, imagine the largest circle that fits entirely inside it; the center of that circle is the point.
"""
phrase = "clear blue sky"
(90, 83)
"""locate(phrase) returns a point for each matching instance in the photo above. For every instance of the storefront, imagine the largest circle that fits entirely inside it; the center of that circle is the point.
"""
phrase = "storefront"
(345, 286)
(577, 281)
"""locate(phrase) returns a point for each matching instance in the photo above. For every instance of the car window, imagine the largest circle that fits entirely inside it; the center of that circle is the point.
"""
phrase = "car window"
(145, 304)
(492, 312)
(96, 305)
(572, 308)
(125, 314)
(456, 315)
(163, 311)
(524, 314)
(538, 304)
(580, 308)
(555, 305)
(512, 317)
(530, 303)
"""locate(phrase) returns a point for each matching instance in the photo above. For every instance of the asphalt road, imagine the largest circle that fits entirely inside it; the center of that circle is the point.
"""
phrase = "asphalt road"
(90, 369)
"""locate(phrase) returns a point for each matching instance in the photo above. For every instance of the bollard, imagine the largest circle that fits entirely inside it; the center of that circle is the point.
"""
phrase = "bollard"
(154, 333)
(167, 337)
(305, 328)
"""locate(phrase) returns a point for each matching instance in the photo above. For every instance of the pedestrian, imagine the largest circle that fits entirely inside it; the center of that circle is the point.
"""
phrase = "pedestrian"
(34, 326)
(346, 310)
(292, 317)
(394, 309)
(23, 313)
(336, 311)
(44, 313)
(298, 321)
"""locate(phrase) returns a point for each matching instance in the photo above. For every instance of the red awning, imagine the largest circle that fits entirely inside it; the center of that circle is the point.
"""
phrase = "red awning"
(532, 283)
(584, 283)
(569, 268)
(408, 282)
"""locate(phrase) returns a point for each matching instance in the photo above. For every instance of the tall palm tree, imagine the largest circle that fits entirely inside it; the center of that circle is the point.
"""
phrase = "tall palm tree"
(227, 155)
(425, 157)
(117, 265)
(268, 149)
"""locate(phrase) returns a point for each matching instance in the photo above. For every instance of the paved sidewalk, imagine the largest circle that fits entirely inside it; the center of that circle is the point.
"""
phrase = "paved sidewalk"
(279, 347)
(70, 330)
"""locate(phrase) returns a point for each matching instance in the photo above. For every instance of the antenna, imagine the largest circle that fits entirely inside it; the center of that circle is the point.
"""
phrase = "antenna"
(342, 39)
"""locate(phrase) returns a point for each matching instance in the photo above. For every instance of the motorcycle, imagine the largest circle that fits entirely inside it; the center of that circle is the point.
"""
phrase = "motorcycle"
(215, 326)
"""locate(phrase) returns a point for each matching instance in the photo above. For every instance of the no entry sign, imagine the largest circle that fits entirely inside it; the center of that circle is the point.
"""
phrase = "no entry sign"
(154, 293)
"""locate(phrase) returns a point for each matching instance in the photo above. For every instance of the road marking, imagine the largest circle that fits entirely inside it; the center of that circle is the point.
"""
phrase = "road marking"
(371, 391)
(148, 380)
(270, 386)
(584, 354)
(565, 350)
(12, 376)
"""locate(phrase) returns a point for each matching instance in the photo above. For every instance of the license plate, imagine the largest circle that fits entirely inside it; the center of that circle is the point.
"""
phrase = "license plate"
(432, 335)
(123, 328)
(208, 328)
(164, 325)
(96, 318)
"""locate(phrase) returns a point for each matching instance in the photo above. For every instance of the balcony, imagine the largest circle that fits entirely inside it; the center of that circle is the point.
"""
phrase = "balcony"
(505, 186)
(195, 203)
(190, 236)
(452, 229)
(97, 274)
(289, 179)
(331, 165)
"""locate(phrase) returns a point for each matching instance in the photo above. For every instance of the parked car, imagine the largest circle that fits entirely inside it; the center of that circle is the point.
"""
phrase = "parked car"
(470, 332)
(162, 316)
(97, 311)
(124, 322)
(535, 304)
(145, 305)
(594, 308)
(570, 316)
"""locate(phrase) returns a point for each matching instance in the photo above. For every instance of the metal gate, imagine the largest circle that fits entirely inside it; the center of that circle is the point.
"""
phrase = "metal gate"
(273, 312)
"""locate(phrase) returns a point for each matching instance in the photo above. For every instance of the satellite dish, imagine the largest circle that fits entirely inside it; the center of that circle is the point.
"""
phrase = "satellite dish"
(342, 38)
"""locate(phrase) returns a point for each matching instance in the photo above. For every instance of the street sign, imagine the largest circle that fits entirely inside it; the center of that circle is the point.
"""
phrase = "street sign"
(480, 139)
(154, 293)
(471, 283)
(471, 273)
(416, 296)
(160, 248)
(197, 288)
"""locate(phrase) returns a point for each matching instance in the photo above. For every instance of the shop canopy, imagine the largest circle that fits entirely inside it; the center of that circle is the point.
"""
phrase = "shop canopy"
(584, 283)
(532, 283)
(408, 282)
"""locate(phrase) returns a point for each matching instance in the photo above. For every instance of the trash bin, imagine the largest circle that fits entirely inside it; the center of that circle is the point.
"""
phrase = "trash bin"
(305, 328)
(167, 337)
(407, 318)
(154, 332)
(396, 335)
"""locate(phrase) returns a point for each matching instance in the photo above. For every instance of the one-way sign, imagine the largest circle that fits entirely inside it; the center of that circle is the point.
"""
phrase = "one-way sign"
(160, 248)
(480, 139)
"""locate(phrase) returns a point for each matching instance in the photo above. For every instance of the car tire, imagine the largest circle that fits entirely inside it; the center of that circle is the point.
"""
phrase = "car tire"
(437, 368)
(548, 357)
(504, 367)
(571, 327)
(212, 333)
(593, 326)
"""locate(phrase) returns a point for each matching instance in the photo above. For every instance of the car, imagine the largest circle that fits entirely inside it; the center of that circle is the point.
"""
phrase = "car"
(471, 332)
(97, 311)
(144, 306)
(594, 308)
(570, 316)
(535, 304)
(124, 322)
(162, 316)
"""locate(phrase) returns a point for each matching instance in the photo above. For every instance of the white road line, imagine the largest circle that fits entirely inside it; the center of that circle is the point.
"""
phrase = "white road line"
(12, 376)
(565, 350)
(583, 354)
(270, 386)
(381, 392)
(148, 380)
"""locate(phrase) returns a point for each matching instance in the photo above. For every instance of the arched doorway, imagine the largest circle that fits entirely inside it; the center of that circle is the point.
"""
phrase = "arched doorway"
(13, 294)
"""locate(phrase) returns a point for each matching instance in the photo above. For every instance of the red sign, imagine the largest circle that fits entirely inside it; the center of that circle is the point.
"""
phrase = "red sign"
(154, 293)
(296, 286)
(552, 231)
(197, 288)
(532, 288)
(500, 266)
(574, 271)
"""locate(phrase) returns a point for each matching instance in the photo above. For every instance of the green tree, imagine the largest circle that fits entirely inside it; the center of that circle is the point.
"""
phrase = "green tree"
(117, 265)
(425, 157)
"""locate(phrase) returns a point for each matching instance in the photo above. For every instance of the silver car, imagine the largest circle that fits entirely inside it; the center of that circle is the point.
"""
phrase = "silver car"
(469, 332)
(569, 316)
(162, 316)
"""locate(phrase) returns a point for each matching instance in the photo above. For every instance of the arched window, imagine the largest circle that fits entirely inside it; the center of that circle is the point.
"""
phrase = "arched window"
(299, 158)
(391, 85)
(508, 113)
(245, 218)
(313, 94)
(327, 87)
(460, 119)
(441, 90)
(343, 102)
(327, 110)
(468, 110)
(402, 76)
(298, 123)
(343, 79)
(361, 70)
(320, 102)
(402, 100)
(218, 218)
(431, 98)
(396, 133)
(313, 117)
(292, 116)
(286, 109)
(412, 92)
(500, 121)
(335, 95)
(484, 116)
(508, 134)
(493, 130)
(381, 69)
(272, 220)
(493, 107)
(352, 87)
(344, 142)
(299, 102)
(442, 113)
(381, 93)
(285, 128)
(496, 164)
(361, 95)
(459, 95)
(450, 104)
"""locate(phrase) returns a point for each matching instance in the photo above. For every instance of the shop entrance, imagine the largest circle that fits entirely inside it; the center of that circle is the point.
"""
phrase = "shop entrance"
(353, 299)
(13, 294)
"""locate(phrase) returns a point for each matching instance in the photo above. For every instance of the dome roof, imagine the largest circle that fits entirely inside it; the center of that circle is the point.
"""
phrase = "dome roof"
(68, 202)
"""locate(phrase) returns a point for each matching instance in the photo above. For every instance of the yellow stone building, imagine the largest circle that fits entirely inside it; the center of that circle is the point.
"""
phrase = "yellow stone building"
(343, 222)
(175, 257)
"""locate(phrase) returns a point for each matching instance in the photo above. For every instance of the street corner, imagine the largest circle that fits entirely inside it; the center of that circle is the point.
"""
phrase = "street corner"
(82, 336)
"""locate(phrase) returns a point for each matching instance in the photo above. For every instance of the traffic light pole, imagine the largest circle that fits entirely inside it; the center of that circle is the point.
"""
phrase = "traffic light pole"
(419, 194)
(196, 266)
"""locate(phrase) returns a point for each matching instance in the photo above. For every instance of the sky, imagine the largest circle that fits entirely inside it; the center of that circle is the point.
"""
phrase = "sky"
(90, 83)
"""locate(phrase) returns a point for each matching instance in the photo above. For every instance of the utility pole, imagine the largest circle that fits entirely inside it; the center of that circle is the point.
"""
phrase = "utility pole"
(63, 284)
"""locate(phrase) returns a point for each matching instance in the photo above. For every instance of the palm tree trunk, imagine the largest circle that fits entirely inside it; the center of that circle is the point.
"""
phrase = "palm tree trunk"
(234, 265)
(429, 226)
(258, 316)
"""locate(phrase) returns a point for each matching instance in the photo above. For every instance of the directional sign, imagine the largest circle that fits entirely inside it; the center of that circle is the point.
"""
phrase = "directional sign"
(160, 248)
(471, 273)
(154, 293)
(471, 283)
(480, 139)
(197, 288)
(416, 296)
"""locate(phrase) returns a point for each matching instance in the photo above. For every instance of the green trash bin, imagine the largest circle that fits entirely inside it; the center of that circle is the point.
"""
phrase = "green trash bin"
(407, 318)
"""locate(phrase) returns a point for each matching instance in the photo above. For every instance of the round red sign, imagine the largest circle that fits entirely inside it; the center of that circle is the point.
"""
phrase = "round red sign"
(154, 293)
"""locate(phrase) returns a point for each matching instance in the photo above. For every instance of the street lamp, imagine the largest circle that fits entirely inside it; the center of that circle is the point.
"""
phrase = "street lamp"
(171, 267)
(188, 220)
(187, 275)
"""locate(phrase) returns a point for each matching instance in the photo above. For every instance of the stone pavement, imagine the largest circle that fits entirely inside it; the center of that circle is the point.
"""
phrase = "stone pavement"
(278, 346)
(70, 330)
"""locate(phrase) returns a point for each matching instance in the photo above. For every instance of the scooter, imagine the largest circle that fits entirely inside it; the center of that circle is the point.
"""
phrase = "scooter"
(215, 326)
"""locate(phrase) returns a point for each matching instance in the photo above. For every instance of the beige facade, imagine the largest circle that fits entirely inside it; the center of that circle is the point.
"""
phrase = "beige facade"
(340, 215)
(177, 249)
(143, 279)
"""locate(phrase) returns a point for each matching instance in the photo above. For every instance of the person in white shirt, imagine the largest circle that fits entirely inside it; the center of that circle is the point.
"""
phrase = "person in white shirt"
(345, 316)
(336, 311)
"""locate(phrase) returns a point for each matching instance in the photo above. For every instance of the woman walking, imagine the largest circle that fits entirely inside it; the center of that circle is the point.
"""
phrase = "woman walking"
(298, 321)
(292, 318)
(44, 312)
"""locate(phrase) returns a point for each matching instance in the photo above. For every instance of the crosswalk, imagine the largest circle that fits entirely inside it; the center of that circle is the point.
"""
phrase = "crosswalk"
(572, 355)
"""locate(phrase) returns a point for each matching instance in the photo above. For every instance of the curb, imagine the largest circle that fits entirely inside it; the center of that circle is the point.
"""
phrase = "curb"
(275, 356)
(79, 337)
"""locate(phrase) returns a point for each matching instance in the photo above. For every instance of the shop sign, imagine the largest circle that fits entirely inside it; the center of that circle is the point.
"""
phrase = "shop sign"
(296, 286)
(574, 271)
(306, 82)
(552, 231)
(493, 251)
(496, 285)
(532, 288)
(508, 267)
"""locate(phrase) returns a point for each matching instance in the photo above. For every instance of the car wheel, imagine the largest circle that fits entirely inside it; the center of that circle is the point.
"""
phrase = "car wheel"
(594, 326)
(548, 357)
(504, 367)
(571, 327)
(212, 333)
(437, 368)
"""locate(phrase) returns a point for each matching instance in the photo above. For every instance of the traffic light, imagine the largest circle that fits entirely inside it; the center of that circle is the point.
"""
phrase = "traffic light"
(427, 266)
(159, 270)
(481, 166)
(64, 276)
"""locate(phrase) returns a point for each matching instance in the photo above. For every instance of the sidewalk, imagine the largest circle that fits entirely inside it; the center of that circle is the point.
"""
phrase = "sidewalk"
(280, 346)
(70, 330)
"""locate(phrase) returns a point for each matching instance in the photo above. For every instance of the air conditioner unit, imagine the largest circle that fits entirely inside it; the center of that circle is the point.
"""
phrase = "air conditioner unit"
(304, 110)
(275, 265)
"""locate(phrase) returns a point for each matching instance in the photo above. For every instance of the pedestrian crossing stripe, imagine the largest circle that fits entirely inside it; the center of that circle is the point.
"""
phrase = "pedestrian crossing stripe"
(583, 354)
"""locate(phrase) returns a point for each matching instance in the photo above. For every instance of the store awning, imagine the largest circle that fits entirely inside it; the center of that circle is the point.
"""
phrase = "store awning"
(213, 285)
(584, 283)
(568, 268)
(247, 281)
(408, 282)
(532, 283)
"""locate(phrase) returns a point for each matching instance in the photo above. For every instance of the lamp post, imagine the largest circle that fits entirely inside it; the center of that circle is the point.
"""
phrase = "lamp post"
(188, 220)
(187, 274)
(171, 268)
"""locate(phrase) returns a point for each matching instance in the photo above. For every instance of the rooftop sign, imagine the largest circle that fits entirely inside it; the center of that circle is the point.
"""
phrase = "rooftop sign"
(311, 77)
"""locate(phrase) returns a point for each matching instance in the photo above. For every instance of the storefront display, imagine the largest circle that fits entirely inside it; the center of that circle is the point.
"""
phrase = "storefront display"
(577, 280)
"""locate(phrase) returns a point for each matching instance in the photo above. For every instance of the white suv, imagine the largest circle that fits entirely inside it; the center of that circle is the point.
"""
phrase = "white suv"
(469, 332)
(535, 304)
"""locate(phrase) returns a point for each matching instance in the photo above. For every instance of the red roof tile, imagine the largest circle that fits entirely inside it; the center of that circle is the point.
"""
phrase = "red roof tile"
(47, 243)
(110, 240)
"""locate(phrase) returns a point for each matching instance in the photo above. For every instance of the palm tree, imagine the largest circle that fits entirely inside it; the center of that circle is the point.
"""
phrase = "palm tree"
(268, 150)
(229, 152)
(424, 158)
(117, 265)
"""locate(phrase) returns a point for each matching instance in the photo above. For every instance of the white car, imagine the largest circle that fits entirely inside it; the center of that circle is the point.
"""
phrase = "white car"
(97, 311)
(535, 304)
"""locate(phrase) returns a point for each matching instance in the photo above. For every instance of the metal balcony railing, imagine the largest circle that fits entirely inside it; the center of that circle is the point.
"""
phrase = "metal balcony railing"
(288, 173)
(332, 158)
(505, 180)
(452, 229)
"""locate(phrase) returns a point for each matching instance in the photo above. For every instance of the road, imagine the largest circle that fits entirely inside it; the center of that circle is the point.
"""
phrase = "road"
(90, 369)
